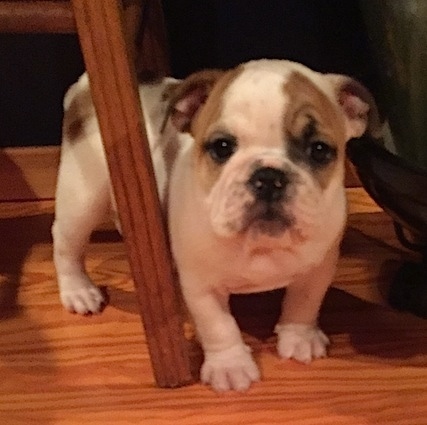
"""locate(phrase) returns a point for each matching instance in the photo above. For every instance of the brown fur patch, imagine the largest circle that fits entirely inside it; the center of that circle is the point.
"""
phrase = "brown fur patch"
(73, 124)
(204, 119)
(74, 128)
(309, 106)
(187, 98)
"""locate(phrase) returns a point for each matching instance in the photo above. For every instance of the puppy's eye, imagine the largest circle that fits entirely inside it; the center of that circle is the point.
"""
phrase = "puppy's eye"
(221, 149)
(321, 154)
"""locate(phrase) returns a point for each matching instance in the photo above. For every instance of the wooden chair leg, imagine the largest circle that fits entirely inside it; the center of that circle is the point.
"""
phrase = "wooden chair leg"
(114, 89)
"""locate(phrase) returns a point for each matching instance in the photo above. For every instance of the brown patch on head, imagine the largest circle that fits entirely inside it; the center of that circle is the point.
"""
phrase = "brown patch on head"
(195, 105)
(313, 117)
(189, 96)
(202, 129)
(211, 110)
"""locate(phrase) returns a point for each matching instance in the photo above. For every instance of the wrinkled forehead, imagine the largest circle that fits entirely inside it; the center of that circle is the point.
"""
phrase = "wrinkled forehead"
(267, 103)
(255, 103)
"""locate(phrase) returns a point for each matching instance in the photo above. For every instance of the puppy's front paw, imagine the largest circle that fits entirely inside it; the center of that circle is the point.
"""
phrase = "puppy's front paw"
(301, 342)
(79, 295)
(230, 369)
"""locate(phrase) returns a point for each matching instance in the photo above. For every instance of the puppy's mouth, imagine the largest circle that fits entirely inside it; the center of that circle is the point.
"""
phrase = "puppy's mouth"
(267, 219)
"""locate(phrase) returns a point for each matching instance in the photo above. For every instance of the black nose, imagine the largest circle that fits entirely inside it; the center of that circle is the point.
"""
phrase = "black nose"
(268, 184)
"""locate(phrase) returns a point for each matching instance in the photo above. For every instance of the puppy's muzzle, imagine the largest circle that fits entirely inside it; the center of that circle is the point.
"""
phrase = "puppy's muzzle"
(268, 184)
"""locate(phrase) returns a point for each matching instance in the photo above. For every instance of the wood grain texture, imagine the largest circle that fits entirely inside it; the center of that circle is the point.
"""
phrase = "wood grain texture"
(59, 368)
(114, 91)
(36, 17)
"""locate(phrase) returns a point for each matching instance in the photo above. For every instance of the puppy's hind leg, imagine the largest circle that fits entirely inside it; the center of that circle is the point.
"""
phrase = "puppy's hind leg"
(71, 233)
(81, 205)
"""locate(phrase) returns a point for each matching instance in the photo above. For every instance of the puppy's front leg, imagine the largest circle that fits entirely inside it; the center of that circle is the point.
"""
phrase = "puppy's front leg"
(299, 336)
(228, 363)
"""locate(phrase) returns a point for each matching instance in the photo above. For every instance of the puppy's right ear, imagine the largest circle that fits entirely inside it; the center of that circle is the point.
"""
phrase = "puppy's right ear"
(188, 96)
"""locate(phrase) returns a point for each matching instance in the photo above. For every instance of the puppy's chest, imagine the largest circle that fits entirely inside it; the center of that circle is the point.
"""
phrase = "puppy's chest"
(258, 271)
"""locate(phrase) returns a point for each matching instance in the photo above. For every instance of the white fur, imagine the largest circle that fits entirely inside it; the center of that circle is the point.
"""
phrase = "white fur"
(84, 197)
(301, 342)
(215, 255)
(214, 259)
(233, 367)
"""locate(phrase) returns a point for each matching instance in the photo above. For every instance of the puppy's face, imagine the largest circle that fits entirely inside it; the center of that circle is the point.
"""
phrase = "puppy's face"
(269, 145)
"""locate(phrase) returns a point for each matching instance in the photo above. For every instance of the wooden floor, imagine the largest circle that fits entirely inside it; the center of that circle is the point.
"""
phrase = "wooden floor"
(59, 368)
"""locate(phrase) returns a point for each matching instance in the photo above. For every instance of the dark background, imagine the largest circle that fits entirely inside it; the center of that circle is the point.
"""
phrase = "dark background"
(327, 35)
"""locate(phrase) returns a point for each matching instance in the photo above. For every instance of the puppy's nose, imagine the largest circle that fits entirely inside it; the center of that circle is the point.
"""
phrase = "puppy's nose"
(268, 184)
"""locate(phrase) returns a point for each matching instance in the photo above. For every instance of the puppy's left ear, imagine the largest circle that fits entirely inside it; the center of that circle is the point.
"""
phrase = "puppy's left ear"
(188, 96)
(358, 105)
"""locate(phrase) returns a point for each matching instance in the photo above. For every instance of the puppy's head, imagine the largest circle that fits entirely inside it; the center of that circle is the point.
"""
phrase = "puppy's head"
(269, 143)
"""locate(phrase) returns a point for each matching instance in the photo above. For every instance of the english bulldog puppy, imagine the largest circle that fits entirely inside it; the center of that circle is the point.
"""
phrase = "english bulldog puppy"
(250, 169)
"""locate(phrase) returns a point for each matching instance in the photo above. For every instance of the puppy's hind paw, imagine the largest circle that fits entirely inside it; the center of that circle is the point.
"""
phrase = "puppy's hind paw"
(230, 369)
(301, 342)
(79, 295)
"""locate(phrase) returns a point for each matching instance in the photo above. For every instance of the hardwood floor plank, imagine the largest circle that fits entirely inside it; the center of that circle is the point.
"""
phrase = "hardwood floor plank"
(59, 368)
